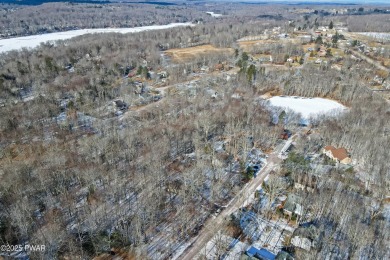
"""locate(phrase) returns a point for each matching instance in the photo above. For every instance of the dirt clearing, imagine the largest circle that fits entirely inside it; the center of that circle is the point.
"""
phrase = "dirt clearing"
(187, 54)
(247, 45)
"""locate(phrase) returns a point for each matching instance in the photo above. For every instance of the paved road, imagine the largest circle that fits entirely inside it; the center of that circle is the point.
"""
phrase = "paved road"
(369, 60)
(212, 225)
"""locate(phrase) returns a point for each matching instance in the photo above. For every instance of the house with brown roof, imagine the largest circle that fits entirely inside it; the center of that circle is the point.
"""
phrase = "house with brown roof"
(340, 155)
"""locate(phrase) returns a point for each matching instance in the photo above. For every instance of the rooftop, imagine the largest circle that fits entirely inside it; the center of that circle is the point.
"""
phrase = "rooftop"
(291, 204)
(260, 253)
(338, 153)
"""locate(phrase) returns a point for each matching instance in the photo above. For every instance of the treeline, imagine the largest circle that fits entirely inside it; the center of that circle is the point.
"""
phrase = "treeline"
(18, 20)
(55, 17)
(368, 23)
(313, 81)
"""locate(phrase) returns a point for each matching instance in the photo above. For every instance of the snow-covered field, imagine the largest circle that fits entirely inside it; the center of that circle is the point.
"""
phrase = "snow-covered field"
(35, 40)
(214, 14)
(219, 244)
(307, 106)
(377, 35)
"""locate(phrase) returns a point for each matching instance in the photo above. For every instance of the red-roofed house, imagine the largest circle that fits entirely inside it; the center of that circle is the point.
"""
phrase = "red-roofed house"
(340, 155)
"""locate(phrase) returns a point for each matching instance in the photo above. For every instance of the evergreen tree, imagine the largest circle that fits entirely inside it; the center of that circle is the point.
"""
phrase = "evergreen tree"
(319, 40)
(244, 56)
(301, 60)
(328, 52)
(251, 72)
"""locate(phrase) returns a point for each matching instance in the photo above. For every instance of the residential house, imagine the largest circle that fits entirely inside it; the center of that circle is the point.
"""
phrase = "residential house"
(219, 67)
(301, 242)
(286, 134)
(340, 155)
(265, 58)
(322, 51)
(304, 237)
(204, 69)
(292, 206)
(152, 75)
(163, 74)
(132, 73)
(322, 28)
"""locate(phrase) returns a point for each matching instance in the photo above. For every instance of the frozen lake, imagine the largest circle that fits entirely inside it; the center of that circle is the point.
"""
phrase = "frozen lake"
(35, 40)
(214, 14)
(307, 106)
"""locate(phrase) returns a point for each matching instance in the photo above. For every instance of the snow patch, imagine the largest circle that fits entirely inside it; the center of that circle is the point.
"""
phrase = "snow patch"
(214, 14)
(377, 35)
(307, 106)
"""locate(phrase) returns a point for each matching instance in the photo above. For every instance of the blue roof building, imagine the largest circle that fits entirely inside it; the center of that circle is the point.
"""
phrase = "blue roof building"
(262, 254)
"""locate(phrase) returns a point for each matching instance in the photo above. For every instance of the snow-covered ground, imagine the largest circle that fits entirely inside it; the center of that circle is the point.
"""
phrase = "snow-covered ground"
(272, 234)
(307, 106)
(377, 35)
(222, 244)
(181, 250)
(214, 14)
(386, 211)
(35, 40)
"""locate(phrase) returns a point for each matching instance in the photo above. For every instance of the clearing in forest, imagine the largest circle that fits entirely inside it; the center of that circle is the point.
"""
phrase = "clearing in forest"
(307, 106)
(246, 44)
(186, 54)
